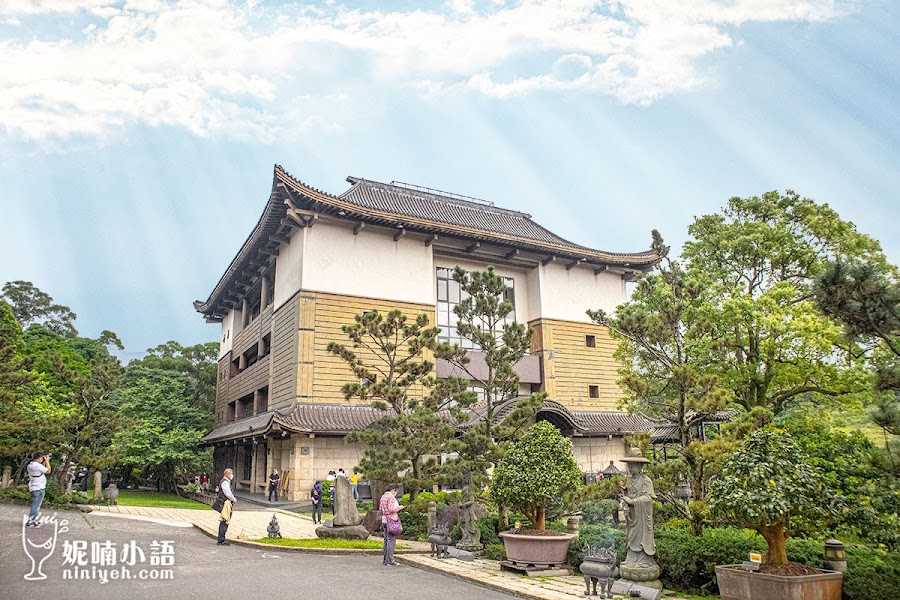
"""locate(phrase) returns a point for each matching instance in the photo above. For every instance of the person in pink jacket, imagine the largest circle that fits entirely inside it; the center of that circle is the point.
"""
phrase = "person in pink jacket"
(389, 508)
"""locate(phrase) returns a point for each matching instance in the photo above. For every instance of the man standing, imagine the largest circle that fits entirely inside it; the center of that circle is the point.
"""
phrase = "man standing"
(273, 485)
(226, 494)
(37, 469)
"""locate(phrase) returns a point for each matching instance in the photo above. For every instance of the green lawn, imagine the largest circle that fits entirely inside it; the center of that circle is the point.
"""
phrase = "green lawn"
(329, 543)
(164, 500)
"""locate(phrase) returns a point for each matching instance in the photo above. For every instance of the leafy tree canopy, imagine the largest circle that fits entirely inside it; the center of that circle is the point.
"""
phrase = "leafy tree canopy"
(31, 305)
(769, 484)
(538, 471)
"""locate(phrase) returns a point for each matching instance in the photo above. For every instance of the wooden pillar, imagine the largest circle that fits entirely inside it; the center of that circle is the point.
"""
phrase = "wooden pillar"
(245, 312)
(253, 468)
(263, 293)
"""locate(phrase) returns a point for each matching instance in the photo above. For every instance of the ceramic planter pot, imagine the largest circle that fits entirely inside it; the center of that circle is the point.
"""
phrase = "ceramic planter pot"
(543, 551)
(736, 583)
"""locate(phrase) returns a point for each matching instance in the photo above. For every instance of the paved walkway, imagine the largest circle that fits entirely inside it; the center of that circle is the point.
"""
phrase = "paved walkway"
(250, 524)
(488, 574)
(246, 523)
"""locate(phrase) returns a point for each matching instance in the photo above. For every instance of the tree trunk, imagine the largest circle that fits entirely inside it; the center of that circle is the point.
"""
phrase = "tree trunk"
(98, 486)
(538, 518)
(775, 539)
(503, 514)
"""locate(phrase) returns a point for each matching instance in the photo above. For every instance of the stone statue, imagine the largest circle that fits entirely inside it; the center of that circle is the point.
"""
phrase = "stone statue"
(439, 540)
(274, 529)
(637, 504)
(471, 535)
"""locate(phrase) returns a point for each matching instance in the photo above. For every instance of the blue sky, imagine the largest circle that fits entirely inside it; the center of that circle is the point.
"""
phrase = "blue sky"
(137, 139)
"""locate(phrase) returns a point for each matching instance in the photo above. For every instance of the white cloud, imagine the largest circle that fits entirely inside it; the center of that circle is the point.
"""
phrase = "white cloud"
(214, 66)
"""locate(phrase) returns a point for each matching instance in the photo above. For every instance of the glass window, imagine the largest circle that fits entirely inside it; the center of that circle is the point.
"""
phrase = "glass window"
(449, 294)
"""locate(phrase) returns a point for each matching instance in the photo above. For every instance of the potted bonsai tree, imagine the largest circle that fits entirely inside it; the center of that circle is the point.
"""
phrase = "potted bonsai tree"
(768, 485)
(535, 474)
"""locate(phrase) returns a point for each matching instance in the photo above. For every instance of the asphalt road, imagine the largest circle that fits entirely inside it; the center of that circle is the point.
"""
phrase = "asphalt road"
(200, 569)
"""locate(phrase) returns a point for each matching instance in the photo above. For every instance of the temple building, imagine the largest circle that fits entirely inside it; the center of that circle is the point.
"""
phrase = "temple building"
(315, 260)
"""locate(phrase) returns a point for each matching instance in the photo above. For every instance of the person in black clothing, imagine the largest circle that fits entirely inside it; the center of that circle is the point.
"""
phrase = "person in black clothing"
(273, 485)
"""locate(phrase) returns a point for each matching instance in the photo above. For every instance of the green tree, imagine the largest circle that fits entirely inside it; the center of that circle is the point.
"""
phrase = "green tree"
(537, 473)
(768, 484)
(198, 364)
(761, 256)
(161, 426)
(483, 321)
(31, 305)
(386, 357)
(15, 387)
(865, 298)
(78, 375)
(665, 332)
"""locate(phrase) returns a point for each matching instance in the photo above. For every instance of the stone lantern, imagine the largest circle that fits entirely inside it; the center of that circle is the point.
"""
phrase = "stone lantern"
(835, 556)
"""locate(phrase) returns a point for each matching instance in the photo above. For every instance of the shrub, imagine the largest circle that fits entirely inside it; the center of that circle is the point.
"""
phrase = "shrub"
(687, 561)
(495, 552)
(489, 527)
(12, 493)
(599, 512)
(537, 472)
(415, 525)
(596, 535)
(54, 493)
(872, 574)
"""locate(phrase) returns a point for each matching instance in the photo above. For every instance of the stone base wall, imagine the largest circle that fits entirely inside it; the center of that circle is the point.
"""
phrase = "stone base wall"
(594, 453)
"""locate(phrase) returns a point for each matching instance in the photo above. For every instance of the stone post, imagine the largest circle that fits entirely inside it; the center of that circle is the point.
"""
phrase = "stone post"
(253, 467)
(432, 515)
(98, 486)
(7, 475)
(573, 524)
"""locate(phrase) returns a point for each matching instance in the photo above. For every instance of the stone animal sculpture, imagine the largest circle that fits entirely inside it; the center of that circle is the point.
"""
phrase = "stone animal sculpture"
(439, 540)
(274, 528)
(599, 566)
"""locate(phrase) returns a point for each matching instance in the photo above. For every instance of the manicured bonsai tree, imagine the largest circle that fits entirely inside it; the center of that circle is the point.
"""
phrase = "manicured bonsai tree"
(768, 485)
(536, 472)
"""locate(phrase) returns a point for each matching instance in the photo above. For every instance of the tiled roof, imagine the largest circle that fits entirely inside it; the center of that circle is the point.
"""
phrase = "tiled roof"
(449, 210)
(344, 418)
(391, 205)
(330, 418)
(243, 428)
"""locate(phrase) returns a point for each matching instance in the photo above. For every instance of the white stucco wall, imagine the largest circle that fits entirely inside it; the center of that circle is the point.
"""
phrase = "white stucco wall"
(289, 268)
(228, 332)
(519, 276)
(567, 295)
(370, 264)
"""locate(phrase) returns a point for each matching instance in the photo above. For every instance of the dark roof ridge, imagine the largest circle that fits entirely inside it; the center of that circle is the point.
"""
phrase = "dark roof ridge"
(483, 205)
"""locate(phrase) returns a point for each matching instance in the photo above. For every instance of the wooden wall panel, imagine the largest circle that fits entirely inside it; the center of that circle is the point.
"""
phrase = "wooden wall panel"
(333, 311)
(222, 389)
(283, 388)
(570, 367)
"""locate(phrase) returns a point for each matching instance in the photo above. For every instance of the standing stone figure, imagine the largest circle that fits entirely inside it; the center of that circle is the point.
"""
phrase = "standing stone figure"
(471, 535)
(637, 504)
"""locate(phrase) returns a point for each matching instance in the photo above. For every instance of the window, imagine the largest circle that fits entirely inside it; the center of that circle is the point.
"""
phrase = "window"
(449, 294)
(266, 345)
(590, 341)
(594, 391)
(231, 411)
